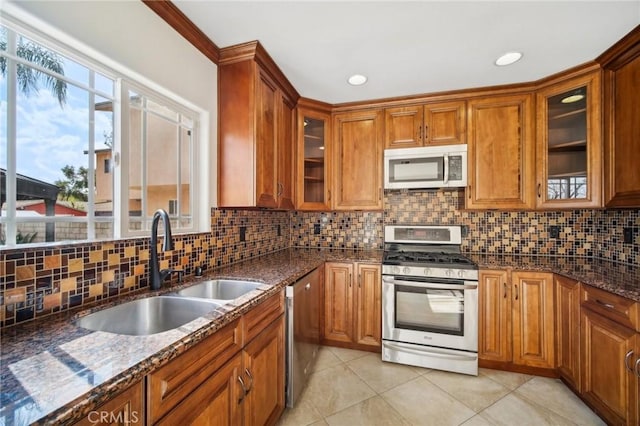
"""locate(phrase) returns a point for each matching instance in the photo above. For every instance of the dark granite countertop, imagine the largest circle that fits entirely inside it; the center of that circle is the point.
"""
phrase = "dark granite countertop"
(52, 371)
(617, 278)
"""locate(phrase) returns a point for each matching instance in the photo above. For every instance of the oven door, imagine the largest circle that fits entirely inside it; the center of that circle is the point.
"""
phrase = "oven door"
(432, 312)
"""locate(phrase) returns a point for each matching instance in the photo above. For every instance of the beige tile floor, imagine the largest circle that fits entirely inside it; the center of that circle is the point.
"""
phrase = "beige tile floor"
(356, 388)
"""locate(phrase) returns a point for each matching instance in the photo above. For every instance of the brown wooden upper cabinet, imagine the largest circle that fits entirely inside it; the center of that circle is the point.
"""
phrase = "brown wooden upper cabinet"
(255, 122)
(621, 64)
(569, 143)
(357, 165)
(501, 152)
(313, 185)
(431, 124)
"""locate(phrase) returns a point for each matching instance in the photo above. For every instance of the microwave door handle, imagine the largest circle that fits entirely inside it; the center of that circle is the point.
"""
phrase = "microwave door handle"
(446, 168)
(431, 285)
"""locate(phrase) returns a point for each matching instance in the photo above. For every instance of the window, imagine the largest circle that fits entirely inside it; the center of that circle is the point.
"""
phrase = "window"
(173, 207)
(58, 126)
(569, 187)
(158, 143)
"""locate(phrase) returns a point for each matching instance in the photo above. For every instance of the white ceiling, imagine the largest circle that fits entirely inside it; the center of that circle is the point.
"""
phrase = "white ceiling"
(414, 47)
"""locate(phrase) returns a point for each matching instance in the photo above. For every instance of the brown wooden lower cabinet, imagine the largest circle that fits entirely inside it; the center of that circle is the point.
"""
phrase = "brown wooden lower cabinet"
(217, 401)
(516, 319)
(222, 381)
(126, 408)
(609, 383)
(353, 305)
(568, 331)
(264, 373)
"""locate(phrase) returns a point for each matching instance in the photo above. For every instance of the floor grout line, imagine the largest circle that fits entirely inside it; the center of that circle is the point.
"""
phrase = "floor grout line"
(345, 364)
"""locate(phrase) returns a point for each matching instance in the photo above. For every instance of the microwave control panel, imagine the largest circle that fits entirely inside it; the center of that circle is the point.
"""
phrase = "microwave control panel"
(455, 167)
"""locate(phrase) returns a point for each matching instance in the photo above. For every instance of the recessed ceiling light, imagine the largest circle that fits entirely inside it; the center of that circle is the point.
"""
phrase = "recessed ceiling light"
(508, 58)
(357, 80)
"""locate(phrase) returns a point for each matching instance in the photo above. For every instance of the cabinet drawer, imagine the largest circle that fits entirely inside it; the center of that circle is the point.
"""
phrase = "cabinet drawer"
(262, 315)
(172, 383)
(619, 309)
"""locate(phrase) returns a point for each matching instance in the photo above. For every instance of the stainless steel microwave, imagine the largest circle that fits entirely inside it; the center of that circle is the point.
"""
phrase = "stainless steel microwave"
(442, 166)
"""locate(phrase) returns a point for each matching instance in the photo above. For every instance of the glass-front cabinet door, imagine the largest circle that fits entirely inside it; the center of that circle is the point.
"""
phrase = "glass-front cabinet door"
(569, 148)
(313, 186)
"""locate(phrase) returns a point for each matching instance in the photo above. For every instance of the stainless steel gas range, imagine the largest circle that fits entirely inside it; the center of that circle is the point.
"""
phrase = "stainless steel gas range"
(429, 299)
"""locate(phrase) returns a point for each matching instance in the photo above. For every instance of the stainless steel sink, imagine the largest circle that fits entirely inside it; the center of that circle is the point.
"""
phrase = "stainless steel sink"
(222, 290)
(147, 316)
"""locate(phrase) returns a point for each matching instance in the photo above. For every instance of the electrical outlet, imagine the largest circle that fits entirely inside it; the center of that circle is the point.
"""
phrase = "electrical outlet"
(554, 231)
(316, 228)
(627, 234)
(243, 234)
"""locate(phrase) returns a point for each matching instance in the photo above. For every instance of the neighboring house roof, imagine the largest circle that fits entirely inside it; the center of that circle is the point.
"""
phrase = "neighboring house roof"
(28, 188)
(62, 208)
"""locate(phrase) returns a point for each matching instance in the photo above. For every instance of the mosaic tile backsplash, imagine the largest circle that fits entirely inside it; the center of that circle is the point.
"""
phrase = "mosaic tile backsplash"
(343, 230)
(35, 282)
(583, 232)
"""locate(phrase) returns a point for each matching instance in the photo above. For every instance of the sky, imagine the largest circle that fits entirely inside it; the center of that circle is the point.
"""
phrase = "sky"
(50, 136)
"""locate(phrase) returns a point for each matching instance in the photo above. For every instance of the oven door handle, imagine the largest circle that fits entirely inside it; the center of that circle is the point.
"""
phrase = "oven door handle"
(431, 352)
(430, 285)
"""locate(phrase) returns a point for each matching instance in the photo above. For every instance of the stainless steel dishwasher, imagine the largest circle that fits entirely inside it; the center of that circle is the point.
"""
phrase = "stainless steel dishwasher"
(303, 331)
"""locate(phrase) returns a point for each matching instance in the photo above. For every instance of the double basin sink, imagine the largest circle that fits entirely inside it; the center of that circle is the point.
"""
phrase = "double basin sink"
(162, 313)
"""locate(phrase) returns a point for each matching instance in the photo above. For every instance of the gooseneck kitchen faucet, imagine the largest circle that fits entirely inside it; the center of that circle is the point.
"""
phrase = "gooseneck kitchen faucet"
(157, 275)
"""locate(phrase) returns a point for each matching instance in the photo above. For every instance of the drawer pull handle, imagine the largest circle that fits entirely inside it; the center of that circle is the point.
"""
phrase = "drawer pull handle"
(248, 373)
(244, 390)
(605, 304)
(626, 360)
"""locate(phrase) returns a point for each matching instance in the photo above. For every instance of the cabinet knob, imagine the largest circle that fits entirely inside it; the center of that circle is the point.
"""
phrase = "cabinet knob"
(248, 373)
(626, 361)
(605, 304)
(244, 390)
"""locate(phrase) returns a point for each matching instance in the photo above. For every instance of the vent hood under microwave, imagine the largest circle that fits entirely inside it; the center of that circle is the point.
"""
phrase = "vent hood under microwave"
(443, 166)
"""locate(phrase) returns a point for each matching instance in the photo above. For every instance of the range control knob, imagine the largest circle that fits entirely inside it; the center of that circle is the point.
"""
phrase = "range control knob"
(448, 272)
(395, 270)
(461, 273)
(406, 270)
(427, 271)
